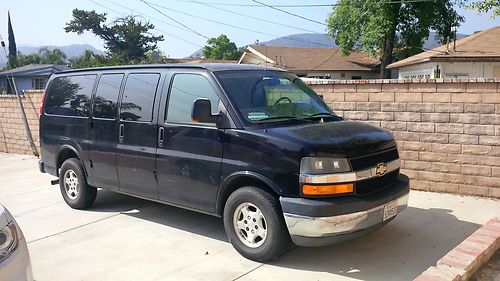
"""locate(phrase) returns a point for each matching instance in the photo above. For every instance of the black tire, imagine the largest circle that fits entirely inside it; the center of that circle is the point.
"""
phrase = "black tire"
(277, 240)
(85, 195)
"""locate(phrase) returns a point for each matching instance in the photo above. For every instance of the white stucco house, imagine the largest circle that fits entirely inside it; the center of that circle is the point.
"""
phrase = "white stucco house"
(314, 62)
(475, 56)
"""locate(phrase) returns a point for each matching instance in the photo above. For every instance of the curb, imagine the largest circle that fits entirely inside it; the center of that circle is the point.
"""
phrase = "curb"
(466, 258)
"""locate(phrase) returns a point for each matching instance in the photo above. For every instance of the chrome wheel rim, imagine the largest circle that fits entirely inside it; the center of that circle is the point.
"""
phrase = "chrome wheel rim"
(71, 184)
(250, 225)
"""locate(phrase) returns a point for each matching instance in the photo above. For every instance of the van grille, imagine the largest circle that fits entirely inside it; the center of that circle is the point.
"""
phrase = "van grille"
(365, 162)
(373, 185)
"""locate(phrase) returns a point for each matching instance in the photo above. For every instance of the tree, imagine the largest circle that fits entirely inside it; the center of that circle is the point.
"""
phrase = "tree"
(390, 30)
(88, 59)
(12, 44)
(221, 48)
(486, 6)
(125, 39)
(43, 56)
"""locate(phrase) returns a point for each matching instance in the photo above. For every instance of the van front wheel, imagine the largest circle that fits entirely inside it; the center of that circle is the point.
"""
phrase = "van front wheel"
(73, 184)
(254, 224)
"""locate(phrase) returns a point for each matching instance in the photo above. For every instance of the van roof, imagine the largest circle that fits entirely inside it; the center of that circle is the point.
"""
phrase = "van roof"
(207, 66)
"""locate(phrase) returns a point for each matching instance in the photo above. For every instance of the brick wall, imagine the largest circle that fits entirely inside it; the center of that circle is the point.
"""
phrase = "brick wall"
(448, 130)
(13, 137)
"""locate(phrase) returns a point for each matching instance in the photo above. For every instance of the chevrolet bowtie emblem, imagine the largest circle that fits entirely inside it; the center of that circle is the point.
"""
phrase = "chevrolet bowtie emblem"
(381, 169)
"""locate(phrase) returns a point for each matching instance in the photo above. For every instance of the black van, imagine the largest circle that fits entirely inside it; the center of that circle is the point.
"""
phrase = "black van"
(253, 145)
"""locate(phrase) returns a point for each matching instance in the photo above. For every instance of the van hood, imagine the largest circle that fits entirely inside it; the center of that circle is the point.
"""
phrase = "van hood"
(338, 138)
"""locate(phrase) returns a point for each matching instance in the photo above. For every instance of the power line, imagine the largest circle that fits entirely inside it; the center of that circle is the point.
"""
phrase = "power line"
(174, 20)
(210, 20)
(143, 15)
(289, 13)
(233, 26)
(153, 18)
(248, 16)
(255, 5)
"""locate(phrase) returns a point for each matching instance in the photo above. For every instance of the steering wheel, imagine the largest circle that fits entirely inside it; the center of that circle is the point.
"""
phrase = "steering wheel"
(283, 98)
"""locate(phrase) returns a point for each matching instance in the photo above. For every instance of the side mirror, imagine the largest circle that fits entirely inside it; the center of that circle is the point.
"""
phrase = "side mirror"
(202, 112)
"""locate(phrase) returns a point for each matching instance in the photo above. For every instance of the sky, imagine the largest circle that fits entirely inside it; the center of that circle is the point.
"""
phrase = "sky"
(39, 23)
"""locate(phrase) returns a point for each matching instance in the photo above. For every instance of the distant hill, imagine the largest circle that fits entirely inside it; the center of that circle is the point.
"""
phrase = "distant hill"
(319, 40)
(73, 50)
(305, 40)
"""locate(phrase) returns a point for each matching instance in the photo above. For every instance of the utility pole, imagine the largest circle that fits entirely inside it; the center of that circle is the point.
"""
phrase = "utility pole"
(25, 121)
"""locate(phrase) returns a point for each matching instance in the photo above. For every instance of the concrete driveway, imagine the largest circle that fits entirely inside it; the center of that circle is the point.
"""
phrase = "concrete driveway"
(124, 238)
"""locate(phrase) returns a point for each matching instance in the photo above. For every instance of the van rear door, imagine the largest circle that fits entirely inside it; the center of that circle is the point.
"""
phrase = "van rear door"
(136, 150)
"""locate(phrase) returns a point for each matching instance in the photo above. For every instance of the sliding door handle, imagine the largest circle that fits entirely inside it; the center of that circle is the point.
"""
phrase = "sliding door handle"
(161, 136)
(121, 133)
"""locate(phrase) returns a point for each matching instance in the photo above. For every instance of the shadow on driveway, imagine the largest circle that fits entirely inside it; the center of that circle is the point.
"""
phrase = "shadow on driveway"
(401, 250)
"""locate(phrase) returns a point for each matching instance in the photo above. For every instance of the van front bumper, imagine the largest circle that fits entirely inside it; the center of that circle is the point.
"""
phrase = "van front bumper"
(320, 222)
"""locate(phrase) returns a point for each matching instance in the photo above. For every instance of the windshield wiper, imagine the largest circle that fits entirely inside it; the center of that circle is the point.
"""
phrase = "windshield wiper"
(277, 117)
(320, 114)
(323, 115)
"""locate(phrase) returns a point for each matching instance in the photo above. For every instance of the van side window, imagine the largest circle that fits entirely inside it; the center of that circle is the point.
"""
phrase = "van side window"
(106, 97)
(139, 96)
(70, 95)
(186, 89)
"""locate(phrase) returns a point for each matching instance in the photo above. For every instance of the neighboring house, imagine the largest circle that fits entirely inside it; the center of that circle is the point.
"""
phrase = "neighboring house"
(196, 60)
(475, 56)
(314, 62)
(28, 77)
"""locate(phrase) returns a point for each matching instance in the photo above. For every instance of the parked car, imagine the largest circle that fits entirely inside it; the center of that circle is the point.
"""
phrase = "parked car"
(15, 261)
(250, 144)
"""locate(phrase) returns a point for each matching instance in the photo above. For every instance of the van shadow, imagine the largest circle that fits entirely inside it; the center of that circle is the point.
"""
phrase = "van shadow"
(401, 250)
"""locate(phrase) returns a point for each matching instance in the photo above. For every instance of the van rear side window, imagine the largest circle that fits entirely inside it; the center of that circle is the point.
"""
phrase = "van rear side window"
(70, 95)
(139, 96)
(106, 97)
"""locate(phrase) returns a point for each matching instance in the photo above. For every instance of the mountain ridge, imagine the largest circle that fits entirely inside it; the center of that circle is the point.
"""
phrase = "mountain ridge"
(321, 40)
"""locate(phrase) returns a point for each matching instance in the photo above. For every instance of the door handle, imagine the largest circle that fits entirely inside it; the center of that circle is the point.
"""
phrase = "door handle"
(161, 136)
(121, 133)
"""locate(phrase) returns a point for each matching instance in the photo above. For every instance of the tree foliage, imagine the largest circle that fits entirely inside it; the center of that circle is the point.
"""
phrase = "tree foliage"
(12, 45)
(390, 30)
(43, 56)
(221, 48)
(126, 39)
(485, 6)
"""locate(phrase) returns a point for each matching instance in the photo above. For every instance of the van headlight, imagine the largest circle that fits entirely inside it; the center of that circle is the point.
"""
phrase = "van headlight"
(9, 239)
(315, 165)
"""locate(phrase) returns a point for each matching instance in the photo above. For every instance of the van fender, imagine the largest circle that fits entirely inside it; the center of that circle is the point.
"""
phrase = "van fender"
(78, 154)
(226, 184)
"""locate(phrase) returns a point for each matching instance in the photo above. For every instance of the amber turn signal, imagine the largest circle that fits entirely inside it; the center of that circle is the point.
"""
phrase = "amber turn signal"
(332, 189)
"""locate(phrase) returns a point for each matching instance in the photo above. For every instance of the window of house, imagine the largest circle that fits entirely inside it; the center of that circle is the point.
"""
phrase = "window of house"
(186, 89)
(70, 95)
(38, 83)
(139, 97)
(106, 97)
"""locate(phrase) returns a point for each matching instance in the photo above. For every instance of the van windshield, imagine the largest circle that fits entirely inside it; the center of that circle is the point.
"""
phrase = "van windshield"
(263, 96)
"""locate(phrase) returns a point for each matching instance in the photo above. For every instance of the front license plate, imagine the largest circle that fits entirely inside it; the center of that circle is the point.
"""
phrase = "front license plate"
(390, 210)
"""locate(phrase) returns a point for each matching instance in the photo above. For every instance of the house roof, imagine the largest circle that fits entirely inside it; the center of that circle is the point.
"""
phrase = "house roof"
(35, 70)
(205, 60)
(208, 66)
(482, 46)
(308, 59)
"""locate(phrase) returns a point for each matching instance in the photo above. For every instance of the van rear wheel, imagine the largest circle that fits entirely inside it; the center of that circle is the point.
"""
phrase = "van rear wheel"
(73, 185)
(254, 224)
